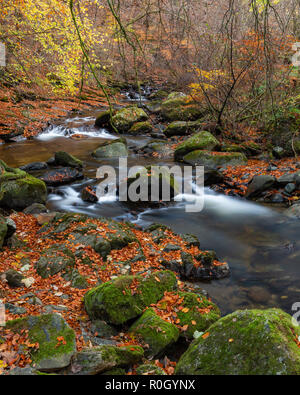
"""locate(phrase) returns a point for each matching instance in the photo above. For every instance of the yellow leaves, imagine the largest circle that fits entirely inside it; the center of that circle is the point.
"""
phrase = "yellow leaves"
(231, 340)
(185, 310)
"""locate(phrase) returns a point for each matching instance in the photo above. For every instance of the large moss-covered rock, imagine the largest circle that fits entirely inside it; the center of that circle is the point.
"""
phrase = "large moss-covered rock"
(3, 230)
(104, 358)
(214, 160)
(45, 329)
(180, 107)
(197, 312)
(126, 297)
(245, 342)
(199, 141)
(182, 128)
(111, 149)
(64, 159)
(124, 119)
(155, 332)
(141, 128)
(18, 189)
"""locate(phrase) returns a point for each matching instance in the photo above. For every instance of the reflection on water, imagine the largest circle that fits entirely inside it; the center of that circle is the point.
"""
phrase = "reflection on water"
(261, 246)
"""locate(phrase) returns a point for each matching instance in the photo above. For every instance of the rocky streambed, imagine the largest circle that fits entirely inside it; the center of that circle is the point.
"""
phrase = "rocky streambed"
(97, 286)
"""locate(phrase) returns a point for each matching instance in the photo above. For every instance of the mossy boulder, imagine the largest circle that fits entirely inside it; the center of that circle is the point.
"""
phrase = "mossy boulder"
(125, 118)
(141, 128)
(45, 329)
(111, 149)
(199, 141)
(18, 189)
(64, 159)
(155, 332)
(149, 369)
(180, 107)
(125, 298)
(96, 360)
(258, 342)
(197, 312)
(214, 160)
(182, 128)
(3, 230)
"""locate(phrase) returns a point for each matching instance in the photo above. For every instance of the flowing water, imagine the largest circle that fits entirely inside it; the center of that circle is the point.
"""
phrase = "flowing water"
(260, 244)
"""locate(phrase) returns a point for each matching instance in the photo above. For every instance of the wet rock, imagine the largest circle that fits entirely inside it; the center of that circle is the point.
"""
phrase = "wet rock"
(103, 119)
(259, 184)
(63, 176)
(3, 230)
(190, 240)
(285, 179)
(293, 211)
(199, 141)
(45, 330)
(67, 160)
(212, 177)
(34, 166)
(245, 342)
(88, 194)
(290, 188)
(112, 149)
(277, 198)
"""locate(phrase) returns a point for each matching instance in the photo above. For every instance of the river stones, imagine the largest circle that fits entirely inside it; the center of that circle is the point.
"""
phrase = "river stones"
(214, 160)
(140, 128)
(112, 149)
(62, 158)
(199, 141)
(55, 260)
(245, 342)
(62, 176)
(45, 330)
(102, 119)
(18, 189)
(34, 166)
(182, 128)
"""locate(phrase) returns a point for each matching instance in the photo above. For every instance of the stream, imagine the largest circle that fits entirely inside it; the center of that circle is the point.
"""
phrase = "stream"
(259, 242)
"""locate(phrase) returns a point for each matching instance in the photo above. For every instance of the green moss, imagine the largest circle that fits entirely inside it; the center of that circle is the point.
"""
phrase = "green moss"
(215, 159)
(155, 332)
(114, 302)
(179, 107)
(199, 141)
(141, 128)
(45, 329)
(245, 342)
(125, 118)
(196, 318)
(111, 149)
(64, 159)
(182, 128)
(150, 369)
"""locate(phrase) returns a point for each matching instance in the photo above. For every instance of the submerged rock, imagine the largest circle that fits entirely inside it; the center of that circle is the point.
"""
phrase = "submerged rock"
(245, 342)
(115, 302)
(34, 166)
(63, 176)
(44, 330)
